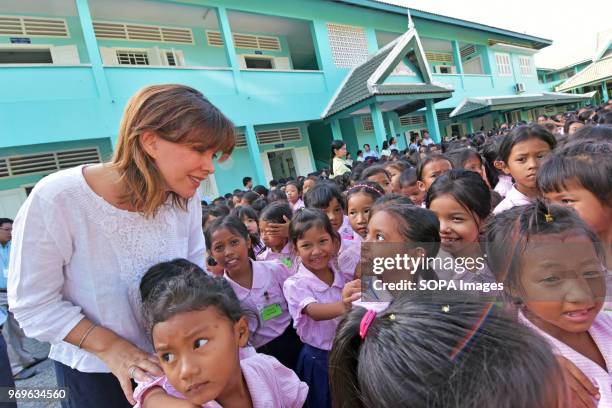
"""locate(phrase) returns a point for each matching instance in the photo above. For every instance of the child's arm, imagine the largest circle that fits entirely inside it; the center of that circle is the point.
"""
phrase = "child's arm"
(328, 311)
(156, 397)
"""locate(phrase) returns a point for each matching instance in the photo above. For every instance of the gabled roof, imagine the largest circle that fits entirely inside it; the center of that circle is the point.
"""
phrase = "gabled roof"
(604, 41)
(479, 106)
(367, 79)
(536, 42)
(596, 72)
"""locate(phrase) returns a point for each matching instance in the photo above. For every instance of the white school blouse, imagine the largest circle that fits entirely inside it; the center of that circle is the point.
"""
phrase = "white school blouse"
(75, 255)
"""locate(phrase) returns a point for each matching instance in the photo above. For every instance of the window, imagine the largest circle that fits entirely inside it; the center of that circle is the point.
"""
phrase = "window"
(172, 58)
(258, 63)
(525, 64)
(348, 45)
(503, 64)
(128, 57)
(26, 56)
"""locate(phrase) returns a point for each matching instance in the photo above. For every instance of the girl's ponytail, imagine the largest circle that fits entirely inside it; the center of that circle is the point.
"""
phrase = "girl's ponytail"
(343, 361)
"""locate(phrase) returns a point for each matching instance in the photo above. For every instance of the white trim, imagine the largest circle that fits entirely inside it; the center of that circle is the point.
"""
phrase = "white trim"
(508, 48)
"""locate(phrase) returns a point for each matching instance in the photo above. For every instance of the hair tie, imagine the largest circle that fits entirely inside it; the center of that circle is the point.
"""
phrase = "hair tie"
(548, 217)
(356, 186)
(366, 321)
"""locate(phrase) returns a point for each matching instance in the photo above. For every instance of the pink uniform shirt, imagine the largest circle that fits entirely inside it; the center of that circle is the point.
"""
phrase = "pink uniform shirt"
(286, 256)
(349, 256)
(345, 230)
(601, 332)
(266, 300)
(514, 198)
(270, 384)
(305, 288)
(298, 204)
(504, 184)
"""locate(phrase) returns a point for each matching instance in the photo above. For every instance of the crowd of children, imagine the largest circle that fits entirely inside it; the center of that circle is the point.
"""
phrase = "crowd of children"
(278, 319)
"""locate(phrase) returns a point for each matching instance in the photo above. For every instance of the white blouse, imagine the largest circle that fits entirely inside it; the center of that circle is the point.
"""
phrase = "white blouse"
(75, 255)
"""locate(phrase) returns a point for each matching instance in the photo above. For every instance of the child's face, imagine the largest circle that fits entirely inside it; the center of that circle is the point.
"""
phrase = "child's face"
(316, 248)
(198, 352)
(524, 161)
(395, 177)
(292, 193)
(475, 165)
(334, 213)
(459, 228)
(383, 181)
(596, 214)
(563, 284)
(413, 192)
(251, 225)
(273, 240)
(308, 184)
(244, 202)
(359, 206)
(383, 227)
(431, 171)
(230, 250)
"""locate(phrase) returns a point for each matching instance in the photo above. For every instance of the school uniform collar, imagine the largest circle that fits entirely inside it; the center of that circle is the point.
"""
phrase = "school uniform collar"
(259, 277)
(318, 285)
(515, 195)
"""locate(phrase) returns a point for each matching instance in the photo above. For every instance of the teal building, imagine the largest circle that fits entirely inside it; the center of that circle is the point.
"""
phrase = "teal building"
(292, 75)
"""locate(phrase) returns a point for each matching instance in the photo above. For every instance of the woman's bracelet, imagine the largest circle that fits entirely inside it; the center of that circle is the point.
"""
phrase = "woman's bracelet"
(93, 326)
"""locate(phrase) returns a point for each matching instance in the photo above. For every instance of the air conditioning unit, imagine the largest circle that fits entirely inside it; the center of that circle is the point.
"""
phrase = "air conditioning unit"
(519, 87)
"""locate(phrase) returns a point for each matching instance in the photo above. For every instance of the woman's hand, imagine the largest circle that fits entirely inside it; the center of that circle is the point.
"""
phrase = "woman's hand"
(123, 359)
(581, 388)
(350, 293)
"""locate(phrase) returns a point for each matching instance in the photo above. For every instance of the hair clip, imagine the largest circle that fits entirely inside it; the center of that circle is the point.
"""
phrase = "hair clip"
(392, 316)
(548, 217)
(446, 308)
(356, 186)
(366, 321)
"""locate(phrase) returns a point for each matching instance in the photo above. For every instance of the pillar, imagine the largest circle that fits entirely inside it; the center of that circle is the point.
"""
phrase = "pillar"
(336, 132)
(457, 57)
(91, 45)
(470, 126)
(228, 45)
(432, 121)
(604, 92)
(379, 125)
(254, 154)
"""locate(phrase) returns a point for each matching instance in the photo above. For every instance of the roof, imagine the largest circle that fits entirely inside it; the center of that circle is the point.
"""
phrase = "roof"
(563, 68)
(478, 106)
(604, 41)
(596, 72)
(537, 42)
(366, 80)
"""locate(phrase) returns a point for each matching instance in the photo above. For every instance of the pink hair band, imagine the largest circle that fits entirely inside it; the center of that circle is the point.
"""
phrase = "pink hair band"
(366, 322)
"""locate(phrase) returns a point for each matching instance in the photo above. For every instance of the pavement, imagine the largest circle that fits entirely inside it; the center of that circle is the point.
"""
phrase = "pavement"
(44, 375)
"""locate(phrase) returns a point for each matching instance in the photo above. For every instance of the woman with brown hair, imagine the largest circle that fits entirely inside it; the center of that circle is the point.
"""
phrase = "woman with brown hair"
(86, 235)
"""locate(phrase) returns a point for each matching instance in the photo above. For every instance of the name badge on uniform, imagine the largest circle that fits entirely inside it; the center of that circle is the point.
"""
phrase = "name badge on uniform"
(287, 262)
(271, 311)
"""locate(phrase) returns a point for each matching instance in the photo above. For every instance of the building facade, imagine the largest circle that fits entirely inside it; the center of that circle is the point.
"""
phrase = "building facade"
(67, 68)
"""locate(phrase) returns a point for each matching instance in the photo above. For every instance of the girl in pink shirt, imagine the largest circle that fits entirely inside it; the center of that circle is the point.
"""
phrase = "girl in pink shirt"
(293, 189)
(259, 287)
(274, 227)
(314, 296)
(521, 153)
(360, 199)
(552, 268)
(198, 328)
(428, 353)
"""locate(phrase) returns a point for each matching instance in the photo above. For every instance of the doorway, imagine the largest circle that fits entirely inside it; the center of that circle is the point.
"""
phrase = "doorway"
(282, 164)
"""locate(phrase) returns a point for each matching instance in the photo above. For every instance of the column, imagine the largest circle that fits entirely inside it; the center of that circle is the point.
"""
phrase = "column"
(228, 45)
(379, 125)
(260, 175)
(604, 92)
(469, 126)
(91, 44)
(336, 132)
(432, 121)
(457, 57)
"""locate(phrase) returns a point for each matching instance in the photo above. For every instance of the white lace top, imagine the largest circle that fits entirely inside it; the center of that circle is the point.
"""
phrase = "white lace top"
(75, 255)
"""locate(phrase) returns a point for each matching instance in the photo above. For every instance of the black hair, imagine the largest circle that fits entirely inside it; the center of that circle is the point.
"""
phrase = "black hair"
(306, 219)
(385, 145)
(392, 198)
(5, 221)
(408, 177)
(212, 210)
(430, 158)
(273, 183)
(415, 224)
(490, 152)
(179, 286)
(335, 145)
(277, 195)
(322, 194)
(228, 196)
(261, 190)
(250, 197)
(343, 181)
(244, 211)
(411, 356)
(466, 187)
(522, 133)
(459, 157)
(568, 123)
(359, 151)
(588, 163)
(509, 233)
(593, 134)
(400, 165)
(374, 170)
(296, 184)
(370, 188)
(235, 226)
(274, 212)
(238, 193)
(245, 180)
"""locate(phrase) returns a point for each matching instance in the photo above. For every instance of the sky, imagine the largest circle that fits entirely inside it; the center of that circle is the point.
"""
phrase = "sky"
(571, 25)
